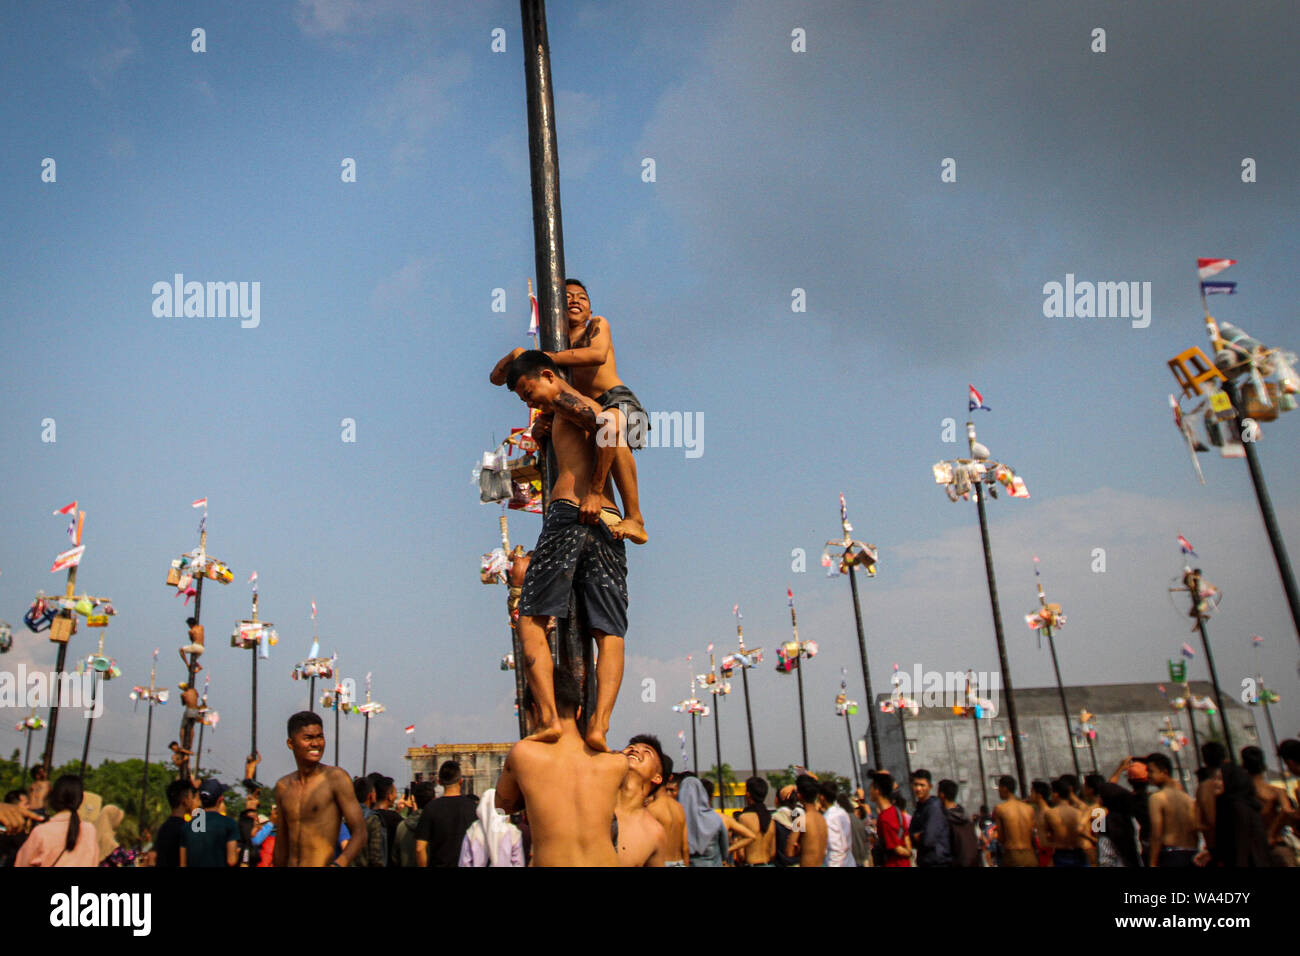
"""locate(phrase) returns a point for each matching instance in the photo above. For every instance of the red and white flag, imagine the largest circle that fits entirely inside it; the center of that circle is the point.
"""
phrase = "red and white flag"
(200, 503)
(69, 559)
(532, 305)
(1209, 267)
(313, 609)
(67, 509)
(410, 728)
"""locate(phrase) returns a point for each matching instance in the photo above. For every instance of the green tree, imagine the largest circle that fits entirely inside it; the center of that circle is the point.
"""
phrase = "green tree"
(728, 777)
(782, 778)
(842, 784)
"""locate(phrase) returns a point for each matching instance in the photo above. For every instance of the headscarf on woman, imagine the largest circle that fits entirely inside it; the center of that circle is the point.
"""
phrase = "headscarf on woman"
(702, 824)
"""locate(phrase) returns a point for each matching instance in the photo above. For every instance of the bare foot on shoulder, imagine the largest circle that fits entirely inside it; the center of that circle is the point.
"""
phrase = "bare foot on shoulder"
(630, 530)
(547, 733)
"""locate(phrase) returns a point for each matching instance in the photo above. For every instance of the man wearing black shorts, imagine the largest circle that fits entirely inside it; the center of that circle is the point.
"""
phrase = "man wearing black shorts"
(576, 548)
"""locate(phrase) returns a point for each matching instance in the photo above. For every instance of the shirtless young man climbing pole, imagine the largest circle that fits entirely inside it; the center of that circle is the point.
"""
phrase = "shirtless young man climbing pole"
(575, 550)
(313, 801)
(590, 359)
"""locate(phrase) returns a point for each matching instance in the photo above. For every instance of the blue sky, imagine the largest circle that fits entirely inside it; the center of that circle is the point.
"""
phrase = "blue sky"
(775, 170)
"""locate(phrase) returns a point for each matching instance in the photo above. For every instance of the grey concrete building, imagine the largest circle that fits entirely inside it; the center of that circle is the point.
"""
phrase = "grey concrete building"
(480, 764)
(1128, 720)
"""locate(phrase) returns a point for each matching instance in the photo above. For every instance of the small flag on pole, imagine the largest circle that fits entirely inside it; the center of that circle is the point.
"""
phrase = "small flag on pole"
(736, 611)
(710, 648)
(1188, 652)
(1186, 546)
(410, 728)
(69, 559)
(313, 609)
(67, 509)
(200, 503)
(1208, 267)
(790, 594)
(533, 311)
(977, 401)
(1256, 640)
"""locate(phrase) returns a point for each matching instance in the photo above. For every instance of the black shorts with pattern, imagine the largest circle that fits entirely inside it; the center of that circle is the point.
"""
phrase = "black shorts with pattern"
(585, 557)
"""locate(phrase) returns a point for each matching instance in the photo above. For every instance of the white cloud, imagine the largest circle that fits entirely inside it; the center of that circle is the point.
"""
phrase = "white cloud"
(416, 105)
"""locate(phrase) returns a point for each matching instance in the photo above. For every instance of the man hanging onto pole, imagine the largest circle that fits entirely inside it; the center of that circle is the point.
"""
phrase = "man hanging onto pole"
(591, 362)
(576, 549)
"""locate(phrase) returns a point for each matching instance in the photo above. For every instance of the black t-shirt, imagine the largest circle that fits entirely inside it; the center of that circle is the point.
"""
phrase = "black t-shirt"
(443, 824)
(207, 846)
(167, 842)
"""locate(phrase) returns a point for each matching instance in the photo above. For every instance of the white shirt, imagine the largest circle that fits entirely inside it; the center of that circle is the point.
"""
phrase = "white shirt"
(839, 837)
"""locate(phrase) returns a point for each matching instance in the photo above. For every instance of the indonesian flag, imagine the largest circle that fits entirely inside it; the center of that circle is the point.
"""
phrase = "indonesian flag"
(532, 306)
(199, 503)
(1186, 546)
(1256, 640)
(1209, 267)
(790, 594)
(736, 611)
(977, 400)
(313, 609)
(1188, 652)
(410, 728)
(710, 648)
(69, 559)
(67, 509)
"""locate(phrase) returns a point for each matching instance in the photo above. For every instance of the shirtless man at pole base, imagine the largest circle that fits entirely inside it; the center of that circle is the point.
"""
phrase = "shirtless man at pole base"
(642, 839)
(313, 801)
(569, 789)
(1015, 822)
(575, 550)
(665, 808)
(590, 359)
(1173, 817)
